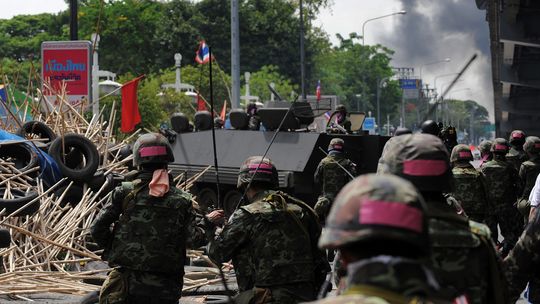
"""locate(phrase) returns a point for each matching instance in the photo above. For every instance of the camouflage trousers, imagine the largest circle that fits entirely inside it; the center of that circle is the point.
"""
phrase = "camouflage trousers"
(322, 207)
(124, 286)
(282, 294)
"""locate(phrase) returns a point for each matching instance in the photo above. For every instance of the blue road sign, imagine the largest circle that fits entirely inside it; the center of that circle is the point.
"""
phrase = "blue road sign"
(410, 83)
(369, 124)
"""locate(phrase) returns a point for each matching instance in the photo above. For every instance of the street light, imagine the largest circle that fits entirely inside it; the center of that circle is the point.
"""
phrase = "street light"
(379, 86)
(380, 17)
(95, 76)
(434, 62)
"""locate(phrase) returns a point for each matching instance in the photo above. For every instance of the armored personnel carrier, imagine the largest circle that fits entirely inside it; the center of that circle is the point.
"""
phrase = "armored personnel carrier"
(296, 150)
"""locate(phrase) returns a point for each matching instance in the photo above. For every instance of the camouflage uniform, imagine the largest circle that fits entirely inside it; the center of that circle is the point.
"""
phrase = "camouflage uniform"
(516, 156)
(485, 151)
(332, 177)
(502, 182)
(276, 236)
(463, 256)
(147, 246)
(468, 185)
(355, 226)
(523, 263)
(528, 172)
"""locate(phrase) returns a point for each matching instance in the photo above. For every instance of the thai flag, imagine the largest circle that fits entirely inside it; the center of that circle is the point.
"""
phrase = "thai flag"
(202, 55)
(318, 91)
(327, 115)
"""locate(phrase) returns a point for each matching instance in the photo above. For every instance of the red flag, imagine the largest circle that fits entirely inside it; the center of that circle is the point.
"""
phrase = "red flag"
(318, 91)
(130, 105)
(223, 110)
(201, 104)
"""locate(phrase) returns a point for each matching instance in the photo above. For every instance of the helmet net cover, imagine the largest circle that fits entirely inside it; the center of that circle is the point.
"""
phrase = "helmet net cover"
(485, 146)
(532, 145)
(336, 144)
(419, 158)
(376, 207)
(517, 138)
(258, 169)
(461, 154)
(500, 146)
(152, 148)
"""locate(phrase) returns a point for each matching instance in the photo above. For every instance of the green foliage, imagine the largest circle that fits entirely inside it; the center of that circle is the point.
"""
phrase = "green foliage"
(267, 74)
(352, 71)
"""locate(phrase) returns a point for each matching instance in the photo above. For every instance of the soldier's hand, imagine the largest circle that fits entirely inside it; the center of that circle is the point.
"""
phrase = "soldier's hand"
(217, 217)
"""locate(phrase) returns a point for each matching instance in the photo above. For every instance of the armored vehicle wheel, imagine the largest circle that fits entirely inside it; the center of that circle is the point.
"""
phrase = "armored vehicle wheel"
(231, 201)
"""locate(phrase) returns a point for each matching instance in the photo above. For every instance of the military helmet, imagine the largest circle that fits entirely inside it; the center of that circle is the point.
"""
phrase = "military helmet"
(341, 108)
(336, 144)
(152, 148)
(532, 145)
(485, 146)
(376, 207)
(517, 138)
(500, 146)
(419, 158)
(257, 169)
(430, 127)
(461, 154)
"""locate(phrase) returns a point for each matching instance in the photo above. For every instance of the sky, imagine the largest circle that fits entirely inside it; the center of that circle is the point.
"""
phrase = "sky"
(430, 31)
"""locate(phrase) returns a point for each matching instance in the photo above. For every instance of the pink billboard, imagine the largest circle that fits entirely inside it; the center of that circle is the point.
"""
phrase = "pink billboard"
(66, 63)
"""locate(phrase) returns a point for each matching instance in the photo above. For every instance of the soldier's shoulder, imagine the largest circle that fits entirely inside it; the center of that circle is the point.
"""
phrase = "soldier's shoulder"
(352, 299)
(256, 207)
(480, 229)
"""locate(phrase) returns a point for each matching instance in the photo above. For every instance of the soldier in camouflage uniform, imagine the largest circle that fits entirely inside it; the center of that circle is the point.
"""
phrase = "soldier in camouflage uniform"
(516, 156)
(528, 172)
(469, 185)
(502, 183)
(332, 175)
(522, 265)
(153, 224)
(485, 151)
(463, 256)
(272, 241)
(378, 224)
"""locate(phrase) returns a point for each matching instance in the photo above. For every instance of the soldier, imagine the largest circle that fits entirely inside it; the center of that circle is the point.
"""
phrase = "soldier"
(463, 256)
(343, 123)
(528, 172)
(485, 151)
(272, 241)
(378, 224)
(469, 185)
(430, 127)
(333, 172)
(401, 131)
(502, 183)
(523, 263)
(516, 155)
(153, 224)
(254, 119)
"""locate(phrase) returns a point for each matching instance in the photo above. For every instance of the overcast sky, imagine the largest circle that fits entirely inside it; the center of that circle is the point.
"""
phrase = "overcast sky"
(430, 31)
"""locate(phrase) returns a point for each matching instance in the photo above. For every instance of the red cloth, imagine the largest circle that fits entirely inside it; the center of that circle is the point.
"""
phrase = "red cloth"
(201, 105)
(130, 106)
(223, 111)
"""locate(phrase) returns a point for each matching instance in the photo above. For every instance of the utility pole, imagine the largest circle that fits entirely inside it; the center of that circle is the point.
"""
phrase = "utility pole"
(73, 22)
(235, 55)
(302, 53)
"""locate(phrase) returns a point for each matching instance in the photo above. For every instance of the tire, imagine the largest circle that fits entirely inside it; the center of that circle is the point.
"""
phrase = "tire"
(20, 199)
(84, 171)
(36, 128)
(207, 199)
(231, 201)
(22, 155)
(73, 195)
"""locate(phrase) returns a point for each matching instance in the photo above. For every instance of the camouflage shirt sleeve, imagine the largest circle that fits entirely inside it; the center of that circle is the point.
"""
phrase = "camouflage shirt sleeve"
(233, 237)
(318, 174)
(196, 227)
(523, 261)
(101, 228)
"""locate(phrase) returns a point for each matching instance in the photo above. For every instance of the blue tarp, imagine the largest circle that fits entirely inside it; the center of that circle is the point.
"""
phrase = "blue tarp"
(49, 170)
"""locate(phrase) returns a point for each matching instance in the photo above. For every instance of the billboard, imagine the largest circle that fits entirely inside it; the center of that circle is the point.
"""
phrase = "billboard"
(66, 63)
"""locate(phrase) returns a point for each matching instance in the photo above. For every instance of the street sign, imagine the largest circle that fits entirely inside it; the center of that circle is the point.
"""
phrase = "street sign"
(410, 93)
(369, 124)
(66, 63)
(410, 84)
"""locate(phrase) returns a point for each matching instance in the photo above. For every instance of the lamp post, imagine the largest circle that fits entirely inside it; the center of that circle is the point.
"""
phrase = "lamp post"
(379, 86)
(95, 74)
(434, 62)
(177, 63)
(380, 17)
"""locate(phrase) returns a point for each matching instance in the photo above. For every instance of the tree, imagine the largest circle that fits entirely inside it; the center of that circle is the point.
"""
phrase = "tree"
(260, 80)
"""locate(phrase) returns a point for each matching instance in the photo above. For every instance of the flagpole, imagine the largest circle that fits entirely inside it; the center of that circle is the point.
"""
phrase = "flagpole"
(214, 129)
